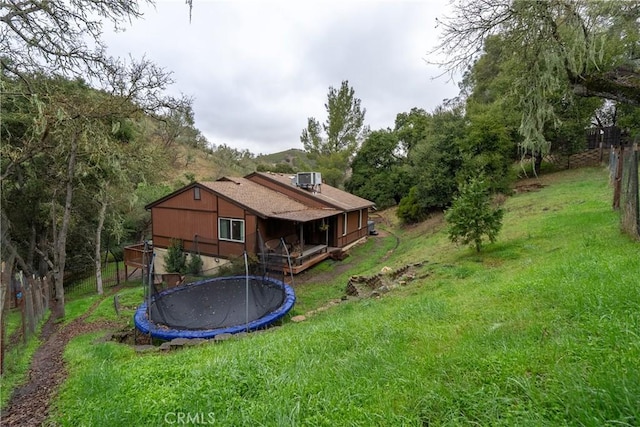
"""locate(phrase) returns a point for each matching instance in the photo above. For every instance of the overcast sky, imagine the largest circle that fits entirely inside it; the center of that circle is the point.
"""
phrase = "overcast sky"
(258, 69)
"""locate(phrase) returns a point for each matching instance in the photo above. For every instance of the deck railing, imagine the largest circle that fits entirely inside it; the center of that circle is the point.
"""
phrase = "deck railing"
(137, 256)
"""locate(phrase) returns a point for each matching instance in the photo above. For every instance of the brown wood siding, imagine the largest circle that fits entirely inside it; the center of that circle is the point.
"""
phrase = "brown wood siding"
(186, 201)
(231, 249)
(353, 232)
(183, 217)
(227, 209)
(203, 248)
(182, 224)
(206, 248)
(289, 192)
(251, 233)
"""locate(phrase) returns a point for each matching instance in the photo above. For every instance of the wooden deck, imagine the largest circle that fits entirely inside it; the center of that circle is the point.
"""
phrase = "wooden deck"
(310, 256)
(310, 262)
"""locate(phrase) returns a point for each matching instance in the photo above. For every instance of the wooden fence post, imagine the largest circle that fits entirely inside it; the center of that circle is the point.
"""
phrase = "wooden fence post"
(617, 183)
(36, 299)
(45, 294)
(601, 152)
(28, 300)
(20, 302)
(3, 333)
(117, 272)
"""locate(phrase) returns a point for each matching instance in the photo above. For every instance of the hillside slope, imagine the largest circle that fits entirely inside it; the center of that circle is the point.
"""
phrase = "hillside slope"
(538, 329)
(208, 165)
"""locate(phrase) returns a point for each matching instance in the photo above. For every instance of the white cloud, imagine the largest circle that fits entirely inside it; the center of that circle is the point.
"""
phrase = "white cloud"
(257, 70)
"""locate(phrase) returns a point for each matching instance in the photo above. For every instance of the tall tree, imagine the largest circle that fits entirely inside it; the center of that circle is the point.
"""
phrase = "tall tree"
(66, 147)
(177, 126)
(378, 172)
(434, 163)
(411, 128)
(333, 143)
(490, 98)
(58, 123)
(576, 47)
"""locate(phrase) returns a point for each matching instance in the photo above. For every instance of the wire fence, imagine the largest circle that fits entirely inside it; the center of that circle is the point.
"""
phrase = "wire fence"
(112, 275)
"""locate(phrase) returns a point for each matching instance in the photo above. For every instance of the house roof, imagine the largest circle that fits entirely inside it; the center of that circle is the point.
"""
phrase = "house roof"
(265, 202)
(328, 195)
(269, 203)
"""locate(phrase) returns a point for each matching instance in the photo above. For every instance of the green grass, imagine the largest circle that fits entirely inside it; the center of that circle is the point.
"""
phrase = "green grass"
(13, 322)
(17, 360)
(19, 356)
(77, 307)
(129, 298)
(539, 329)
(364, 259)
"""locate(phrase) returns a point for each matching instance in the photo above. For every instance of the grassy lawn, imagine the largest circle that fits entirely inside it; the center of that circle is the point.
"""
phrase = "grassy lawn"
(540, 328)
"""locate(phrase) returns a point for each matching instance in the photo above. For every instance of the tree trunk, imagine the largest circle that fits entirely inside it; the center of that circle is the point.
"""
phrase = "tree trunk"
(101, 214)
(537, 163)
(61, 241)
(32, 246)
(27, 296)
(617, 183)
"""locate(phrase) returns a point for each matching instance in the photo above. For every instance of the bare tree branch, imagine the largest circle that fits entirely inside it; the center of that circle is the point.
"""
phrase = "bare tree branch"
(54, 35)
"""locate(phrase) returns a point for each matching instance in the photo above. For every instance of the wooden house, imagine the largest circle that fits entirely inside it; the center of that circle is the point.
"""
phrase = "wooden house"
(222, 219)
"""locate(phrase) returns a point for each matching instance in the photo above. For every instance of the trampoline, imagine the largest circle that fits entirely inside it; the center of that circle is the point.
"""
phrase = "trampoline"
(222, 305)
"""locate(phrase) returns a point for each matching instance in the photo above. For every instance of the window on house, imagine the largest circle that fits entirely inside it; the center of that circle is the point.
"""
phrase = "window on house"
(196, 193)
(359, 219)
(231, 229)
(344, 224)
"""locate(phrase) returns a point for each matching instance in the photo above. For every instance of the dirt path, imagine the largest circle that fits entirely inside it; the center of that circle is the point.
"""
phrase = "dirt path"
(29, 405)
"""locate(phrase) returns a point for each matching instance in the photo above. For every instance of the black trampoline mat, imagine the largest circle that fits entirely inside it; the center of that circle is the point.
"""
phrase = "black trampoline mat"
(216, 304)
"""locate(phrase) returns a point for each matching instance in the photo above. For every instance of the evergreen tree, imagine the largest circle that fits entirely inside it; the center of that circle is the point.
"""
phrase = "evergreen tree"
(175, 261)
(333, 144)
(471, 216)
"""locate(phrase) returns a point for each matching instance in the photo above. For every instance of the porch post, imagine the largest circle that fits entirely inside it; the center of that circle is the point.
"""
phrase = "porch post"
(302, 235)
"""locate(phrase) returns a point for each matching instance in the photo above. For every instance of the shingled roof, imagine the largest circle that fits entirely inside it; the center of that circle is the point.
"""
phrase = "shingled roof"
(269, 203)
(328, 195)
(265, 202)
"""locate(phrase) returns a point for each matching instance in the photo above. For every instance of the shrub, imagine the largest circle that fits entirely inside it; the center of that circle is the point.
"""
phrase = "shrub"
(194, 265)
(471, 215)
(175, 261)
(410, 210)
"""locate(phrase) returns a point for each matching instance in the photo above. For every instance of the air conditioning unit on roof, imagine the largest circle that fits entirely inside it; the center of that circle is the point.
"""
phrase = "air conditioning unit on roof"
(308, 179)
